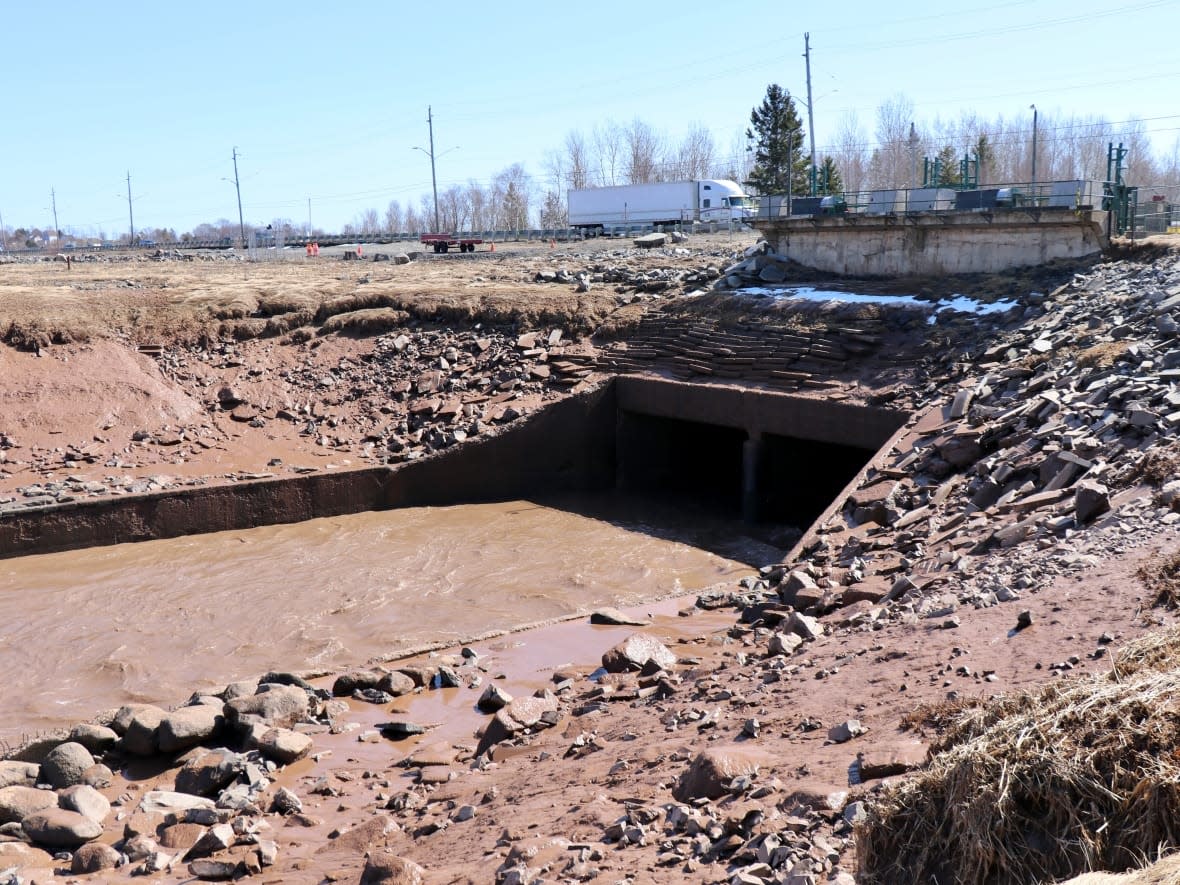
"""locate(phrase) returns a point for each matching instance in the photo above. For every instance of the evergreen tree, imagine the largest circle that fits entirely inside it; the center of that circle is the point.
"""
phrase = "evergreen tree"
(828, 180)
(948, 173)
(986, 154)
(776, 140)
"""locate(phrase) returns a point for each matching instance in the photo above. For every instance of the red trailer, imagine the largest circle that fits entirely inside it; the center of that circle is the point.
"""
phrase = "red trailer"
(444, 242)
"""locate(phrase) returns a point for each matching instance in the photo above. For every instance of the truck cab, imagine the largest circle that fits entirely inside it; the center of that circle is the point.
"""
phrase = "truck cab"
(723, 200)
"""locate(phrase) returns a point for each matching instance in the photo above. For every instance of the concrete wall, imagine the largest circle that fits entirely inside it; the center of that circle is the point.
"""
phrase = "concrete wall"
(921, 244)
(759, 411)
(567, 446)
(191, 511)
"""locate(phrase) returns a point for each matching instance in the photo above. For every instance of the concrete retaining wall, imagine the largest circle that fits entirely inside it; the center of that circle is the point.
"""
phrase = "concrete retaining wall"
(930, 243)
(759, 411)
(567, 446)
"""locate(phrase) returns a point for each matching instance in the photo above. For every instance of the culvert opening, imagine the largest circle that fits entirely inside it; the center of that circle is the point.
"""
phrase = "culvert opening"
(768, 479)
(681, 460)
(801, 477)
(754, 457)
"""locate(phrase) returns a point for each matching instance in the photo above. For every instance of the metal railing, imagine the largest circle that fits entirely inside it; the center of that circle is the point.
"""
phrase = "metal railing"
(1072, 194)
(264, 244)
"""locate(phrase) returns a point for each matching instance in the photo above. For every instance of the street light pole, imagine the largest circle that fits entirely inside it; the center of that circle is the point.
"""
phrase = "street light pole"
(130, 213)
(238, 188)
(433, 179)
(810, 124)
(1033, 107)
(430, 153)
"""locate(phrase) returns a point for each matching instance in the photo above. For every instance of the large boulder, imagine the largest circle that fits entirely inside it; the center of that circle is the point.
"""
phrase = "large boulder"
(1091, 500)
(18, 802)
(386, 868)
(187, 727)
(139, 728)
(94, 857)
(521, 713)
(18, 773)
(635, 651)
(207, 773)
(126, 714)
(348, 682)
(651, 241)
(281, 705)
(95, 738)
(168, 802)
(65, 765)
(19, 855)
(60, 828)
(85, 800)
(712, 771)
(284, 745)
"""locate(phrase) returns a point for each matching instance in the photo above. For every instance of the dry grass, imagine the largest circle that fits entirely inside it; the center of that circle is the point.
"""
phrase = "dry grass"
(1157, 467)
(1161, 576)
(1082, 774)
(1102, 355)
(144, 301)
(937, 717)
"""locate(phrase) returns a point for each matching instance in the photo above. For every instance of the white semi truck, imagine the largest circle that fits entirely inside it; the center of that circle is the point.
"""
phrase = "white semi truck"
(662, 202)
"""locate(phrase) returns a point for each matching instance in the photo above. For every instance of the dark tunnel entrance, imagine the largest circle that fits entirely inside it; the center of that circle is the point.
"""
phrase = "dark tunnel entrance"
(686, 460)
(800, 477)
(768, 478)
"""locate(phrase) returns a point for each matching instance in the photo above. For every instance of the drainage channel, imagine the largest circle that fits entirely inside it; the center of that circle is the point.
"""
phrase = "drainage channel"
(629, 494)
(764, 456)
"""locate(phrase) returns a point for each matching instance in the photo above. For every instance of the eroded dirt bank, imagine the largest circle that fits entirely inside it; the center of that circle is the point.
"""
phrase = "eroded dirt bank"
(992, 548)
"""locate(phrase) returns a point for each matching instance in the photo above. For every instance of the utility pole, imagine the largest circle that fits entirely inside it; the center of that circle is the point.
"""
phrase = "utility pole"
(238, 188)
(53, 203)
(309, 216)
(130, 214)
(1033, 107)
(913, 156)
(433, 180)
(3, 234)
(810, 125)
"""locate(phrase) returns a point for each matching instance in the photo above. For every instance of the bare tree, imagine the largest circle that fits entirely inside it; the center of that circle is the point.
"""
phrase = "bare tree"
(736, 166)
(553, 210)
(892, 165)
(850, 152)
(577, 165)
(477, 202)
(609, 146)
(512, 187)
(393, 217)
(368, 222)
(412, 220)
(695, 155)
(644, 153)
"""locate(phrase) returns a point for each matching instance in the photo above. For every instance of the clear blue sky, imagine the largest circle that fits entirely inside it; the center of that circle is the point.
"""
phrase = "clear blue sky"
(327, 102)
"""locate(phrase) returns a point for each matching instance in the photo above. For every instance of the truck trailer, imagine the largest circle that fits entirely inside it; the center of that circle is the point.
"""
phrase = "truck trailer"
(662, 202)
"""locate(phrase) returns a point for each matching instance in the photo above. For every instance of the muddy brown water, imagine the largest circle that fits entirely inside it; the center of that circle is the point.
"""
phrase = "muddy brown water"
(88, 630)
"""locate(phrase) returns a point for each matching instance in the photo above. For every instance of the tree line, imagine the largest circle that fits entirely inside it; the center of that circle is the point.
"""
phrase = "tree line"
(769, 156)
(772, 156)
